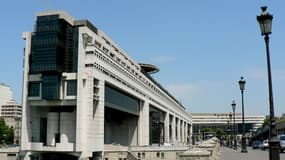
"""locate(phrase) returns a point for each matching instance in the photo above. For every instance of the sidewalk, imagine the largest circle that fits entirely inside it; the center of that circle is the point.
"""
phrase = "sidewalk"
(230, 154)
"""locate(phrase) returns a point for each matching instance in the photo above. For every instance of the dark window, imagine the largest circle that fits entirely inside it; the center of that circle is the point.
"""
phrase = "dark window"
(54, 46)
(156, 121)
(71, 88)
(121, 101)
(50, 87)
(162, 155)
(157, 154)
(34, 89)
(89, 52)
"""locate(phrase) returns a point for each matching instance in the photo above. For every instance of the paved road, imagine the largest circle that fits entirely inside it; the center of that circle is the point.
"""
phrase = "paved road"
(230, 154)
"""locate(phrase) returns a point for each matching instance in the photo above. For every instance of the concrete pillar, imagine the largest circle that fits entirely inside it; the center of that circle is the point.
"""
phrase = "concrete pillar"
(182, 130)
(166, 128)
(143, 136)
(178, 130)
(186, 135)
(174, 129)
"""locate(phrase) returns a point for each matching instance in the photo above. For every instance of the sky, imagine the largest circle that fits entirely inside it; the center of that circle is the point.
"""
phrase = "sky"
(202, 48)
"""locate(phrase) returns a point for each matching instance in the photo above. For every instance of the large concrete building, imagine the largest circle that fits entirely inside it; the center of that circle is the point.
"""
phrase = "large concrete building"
(11, 112)
(84, 97)
(5, 94)
(225, 121)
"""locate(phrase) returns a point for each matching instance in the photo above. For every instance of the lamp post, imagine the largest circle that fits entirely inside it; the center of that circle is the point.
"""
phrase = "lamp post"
(235, 131)
(241, 83)
(231, 137)
(228, 132)
(265, 23)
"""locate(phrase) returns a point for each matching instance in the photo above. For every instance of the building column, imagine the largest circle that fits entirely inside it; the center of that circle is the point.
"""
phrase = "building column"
(187, 134)
(178, 130)
(143, 125)
(166, 128)
(173, 129)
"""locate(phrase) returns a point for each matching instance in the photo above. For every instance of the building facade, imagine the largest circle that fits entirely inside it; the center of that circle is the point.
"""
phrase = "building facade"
(11, 112)
(84, 97)
(5, 94)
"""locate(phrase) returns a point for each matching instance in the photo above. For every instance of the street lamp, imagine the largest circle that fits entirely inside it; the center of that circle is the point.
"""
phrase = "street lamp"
(235, 130)
(231, 137)
(265, 23)
(228, 132)
(241, 83)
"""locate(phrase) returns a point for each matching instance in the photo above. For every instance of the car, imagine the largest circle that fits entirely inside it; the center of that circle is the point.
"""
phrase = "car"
(282, 142)
(256, 144)
(264, 145)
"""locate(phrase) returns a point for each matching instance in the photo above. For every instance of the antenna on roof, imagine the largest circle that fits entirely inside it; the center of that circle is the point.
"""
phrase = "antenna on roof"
(46, 4)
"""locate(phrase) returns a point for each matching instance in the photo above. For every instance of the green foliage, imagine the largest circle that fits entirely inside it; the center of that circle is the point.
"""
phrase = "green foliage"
(219, 131)
(266, 121)
(6, 133)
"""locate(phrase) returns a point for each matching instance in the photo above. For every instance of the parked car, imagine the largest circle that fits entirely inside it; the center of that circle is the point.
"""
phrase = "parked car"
(256, 144)
(282, 142)
(264, 145)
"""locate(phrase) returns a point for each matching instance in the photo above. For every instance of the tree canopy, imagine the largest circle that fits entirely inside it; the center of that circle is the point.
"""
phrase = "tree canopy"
(6, 133)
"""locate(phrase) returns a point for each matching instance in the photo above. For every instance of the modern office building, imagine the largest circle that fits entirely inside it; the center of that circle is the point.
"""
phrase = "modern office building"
(84, 97)
(11, 112)
(5, 94)
(225, 122)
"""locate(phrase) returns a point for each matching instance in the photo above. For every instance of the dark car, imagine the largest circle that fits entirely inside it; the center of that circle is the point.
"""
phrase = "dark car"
(256, 144)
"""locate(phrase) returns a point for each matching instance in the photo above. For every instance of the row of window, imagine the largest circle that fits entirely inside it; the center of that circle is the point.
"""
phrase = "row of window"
(109, 53)
(106, 72)
(34, 88)
(137, 77)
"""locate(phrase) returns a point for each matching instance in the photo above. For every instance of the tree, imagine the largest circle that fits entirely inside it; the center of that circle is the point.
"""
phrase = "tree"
(220, 132)
(6, 133)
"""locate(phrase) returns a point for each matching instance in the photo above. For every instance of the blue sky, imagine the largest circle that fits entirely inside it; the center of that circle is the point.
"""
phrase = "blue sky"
(201, 47)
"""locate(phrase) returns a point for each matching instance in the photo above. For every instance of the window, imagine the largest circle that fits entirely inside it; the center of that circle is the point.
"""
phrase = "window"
(89, 65)
(51, 86)
(34, 89)
(157, 154)
(143, 155)
(89, 52)
(162, 155)
(105, 50)
(71, 88)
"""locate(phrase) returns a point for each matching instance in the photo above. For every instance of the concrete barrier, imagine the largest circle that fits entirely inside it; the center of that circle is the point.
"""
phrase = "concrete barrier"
(207, 150)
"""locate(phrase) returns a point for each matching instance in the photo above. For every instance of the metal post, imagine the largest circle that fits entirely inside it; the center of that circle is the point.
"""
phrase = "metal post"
(235, 133)
(231, 137)
(273, 140)
(243, 140)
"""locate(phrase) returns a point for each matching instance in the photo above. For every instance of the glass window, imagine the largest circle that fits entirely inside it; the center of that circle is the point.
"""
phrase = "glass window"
(51, 85)
(122, 101)
(34, 89)
(71, 88)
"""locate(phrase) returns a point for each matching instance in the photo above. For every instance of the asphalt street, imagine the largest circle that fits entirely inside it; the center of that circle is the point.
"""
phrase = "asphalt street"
(257, 154)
